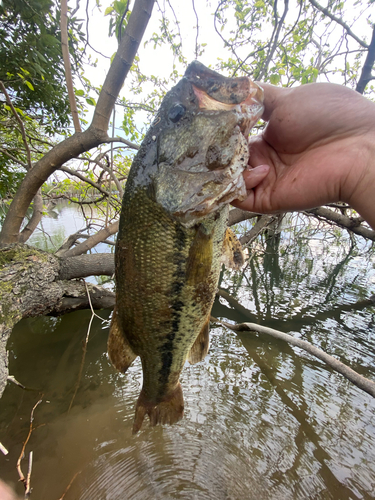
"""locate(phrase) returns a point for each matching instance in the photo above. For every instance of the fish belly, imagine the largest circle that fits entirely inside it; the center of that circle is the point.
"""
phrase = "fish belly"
(166, 280)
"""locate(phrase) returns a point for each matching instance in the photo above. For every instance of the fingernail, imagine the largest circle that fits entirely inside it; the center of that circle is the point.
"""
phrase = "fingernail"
(260, 169)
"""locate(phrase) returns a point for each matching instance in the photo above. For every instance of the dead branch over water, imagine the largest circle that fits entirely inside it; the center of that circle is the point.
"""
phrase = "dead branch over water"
(361, 382)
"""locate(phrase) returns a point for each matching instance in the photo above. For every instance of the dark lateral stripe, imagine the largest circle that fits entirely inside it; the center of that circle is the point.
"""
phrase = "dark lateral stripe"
(166, 349)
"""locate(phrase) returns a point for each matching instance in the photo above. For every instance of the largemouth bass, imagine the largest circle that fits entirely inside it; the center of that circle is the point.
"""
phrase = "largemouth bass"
(173, 232)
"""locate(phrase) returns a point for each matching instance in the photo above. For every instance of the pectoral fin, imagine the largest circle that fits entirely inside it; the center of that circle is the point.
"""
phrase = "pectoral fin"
(202, 342)
(232, 256)
(119, 350)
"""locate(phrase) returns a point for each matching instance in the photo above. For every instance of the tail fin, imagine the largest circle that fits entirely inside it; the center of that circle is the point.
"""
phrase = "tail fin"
(169, 411)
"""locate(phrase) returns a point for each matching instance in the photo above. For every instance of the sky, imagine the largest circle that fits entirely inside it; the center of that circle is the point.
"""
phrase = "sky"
(160, 62)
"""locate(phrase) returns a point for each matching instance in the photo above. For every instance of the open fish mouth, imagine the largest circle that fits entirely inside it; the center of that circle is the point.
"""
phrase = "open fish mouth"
(250, 109)
(202, 155)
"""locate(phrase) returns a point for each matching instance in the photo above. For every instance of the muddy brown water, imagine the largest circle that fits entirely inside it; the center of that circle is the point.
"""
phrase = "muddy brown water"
(262, 420)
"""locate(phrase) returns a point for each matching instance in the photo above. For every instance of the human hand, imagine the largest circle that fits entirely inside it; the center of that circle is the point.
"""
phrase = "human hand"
(318, 147)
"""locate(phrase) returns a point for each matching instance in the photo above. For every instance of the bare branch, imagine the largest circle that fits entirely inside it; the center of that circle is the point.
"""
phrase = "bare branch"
(366, 74)
(352, 224)
(35, 218)
(237, 215)
(26, 481)
(99, 264)
(93, 240)
(275, 34)
(131, 145)
(339, 21)
(67, 66)
(262, 223)
(84, 179)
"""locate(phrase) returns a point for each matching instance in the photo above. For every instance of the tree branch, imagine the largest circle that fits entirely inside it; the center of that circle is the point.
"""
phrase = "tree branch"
(84, 179)
(99, 264)
(343, 221)
(131, 145)
(362, 382)
(67, 66)
(35, 218)
(276, 32)
(339, 21)
(91, 242)
(366, 74)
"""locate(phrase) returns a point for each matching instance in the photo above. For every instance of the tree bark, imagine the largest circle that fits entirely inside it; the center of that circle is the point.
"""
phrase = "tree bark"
(67, 66)
(34, 283)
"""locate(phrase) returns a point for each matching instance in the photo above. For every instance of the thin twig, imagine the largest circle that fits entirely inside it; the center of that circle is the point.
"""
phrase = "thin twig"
(361, 382)
(338, 21)
(28, 478)
(3, 450)
(26, 481)
(69, 485)
(93, 314)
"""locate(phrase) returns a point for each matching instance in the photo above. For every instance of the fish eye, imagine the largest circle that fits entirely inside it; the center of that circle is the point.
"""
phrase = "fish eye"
(176, 112)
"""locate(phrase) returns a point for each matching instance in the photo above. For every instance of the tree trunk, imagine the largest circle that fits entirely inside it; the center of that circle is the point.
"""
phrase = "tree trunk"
(34, 283)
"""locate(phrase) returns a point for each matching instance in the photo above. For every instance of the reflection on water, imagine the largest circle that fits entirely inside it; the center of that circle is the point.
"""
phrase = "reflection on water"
(263, 420)
(65, 219)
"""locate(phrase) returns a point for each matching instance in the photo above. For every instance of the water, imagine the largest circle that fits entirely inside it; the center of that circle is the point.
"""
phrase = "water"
(262, 420)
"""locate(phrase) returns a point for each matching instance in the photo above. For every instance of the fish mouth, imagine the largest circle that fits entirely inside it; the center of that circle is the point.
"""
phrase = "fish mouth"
(230, 179)
(251, 108)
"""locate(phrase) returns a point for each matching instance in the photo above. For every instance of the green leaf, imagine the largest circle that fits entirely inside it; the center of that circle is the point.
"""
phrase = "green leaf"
(91, 101)
(79, 93)
(30, 85)
(108, 10)
(274, 79)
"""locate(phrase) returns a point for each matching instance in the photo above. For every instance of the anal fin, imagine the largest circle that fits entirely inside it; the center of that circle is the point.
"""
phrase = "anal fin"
(119, 351)
(201, 344)
(169, 411)
(232, 256)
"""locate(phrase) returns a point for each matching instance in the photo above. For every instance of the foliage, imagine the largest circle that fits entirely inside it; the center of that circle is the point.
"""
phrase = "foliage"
(30, 60)
(286, 43)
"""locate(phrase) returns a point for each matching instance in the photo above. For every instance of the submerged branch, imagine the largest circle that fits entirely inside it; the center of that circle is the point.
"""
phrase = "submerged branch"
(23, 479)
(361, 382)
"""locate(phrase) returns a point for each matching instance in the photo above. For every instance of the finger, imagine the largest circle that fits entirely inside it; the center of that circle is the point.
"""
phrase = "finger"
(254, 176)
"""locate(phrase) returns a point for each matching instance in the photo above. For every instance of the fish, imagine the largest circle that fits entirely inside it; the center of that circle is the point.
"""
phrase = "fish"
(173, 235)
